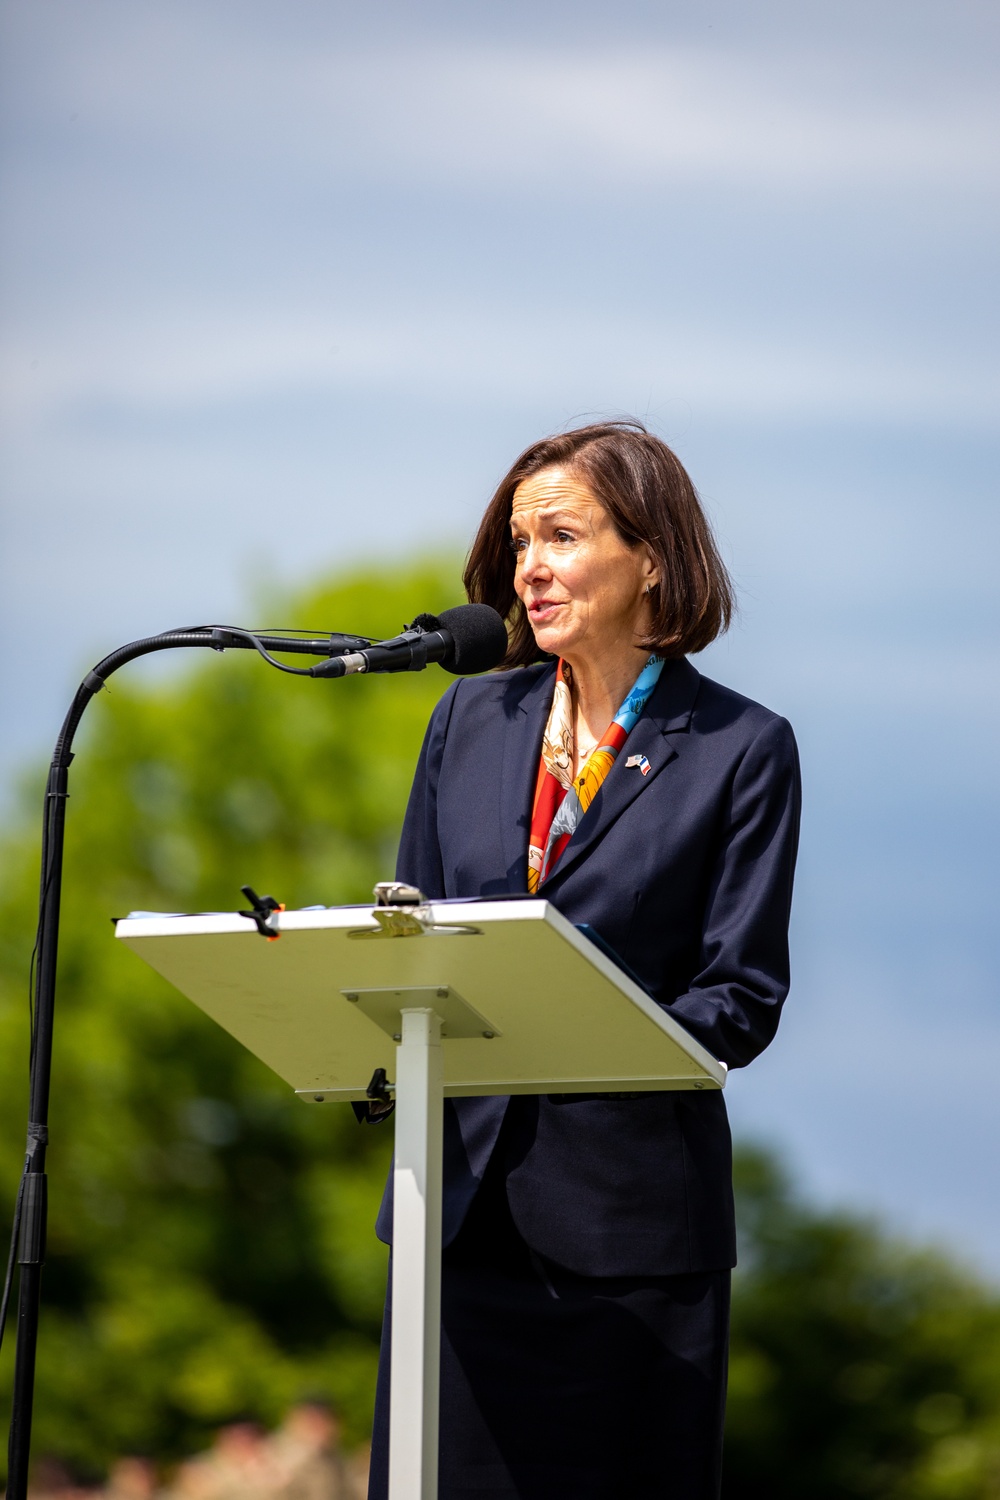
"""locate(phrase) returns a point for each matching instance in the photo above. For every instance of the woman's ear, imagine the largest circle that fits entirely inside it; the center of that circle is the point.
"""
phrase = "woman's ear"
(650, 572)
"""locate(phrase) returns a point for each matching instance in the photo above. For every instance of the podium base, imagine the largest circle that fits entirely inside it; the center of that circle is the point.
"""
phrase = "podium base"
(416, 1260)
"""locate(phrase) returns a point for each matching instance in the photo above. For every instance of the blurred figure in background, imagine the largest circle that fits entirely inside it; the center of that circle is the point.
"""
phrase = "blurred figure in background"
(304, 1455)
(132, 1479)
(236, 1467)
(51, 1480)
(301, 1460)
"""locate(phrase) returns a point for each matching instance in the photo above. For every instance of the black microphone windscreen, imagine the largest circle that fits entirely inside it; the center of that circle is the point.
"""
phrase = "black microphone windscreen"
(479, 636)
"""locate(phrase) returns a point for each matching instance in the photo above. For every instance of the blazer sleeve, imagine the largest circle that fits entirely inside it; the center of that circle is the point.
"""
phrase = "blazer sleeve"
(733, 1003)
(419, 859)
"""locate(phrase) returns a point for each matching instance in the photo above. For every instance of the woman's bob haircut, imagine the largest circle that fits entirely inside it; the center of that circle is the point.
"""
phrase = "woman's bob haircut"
(647, 493)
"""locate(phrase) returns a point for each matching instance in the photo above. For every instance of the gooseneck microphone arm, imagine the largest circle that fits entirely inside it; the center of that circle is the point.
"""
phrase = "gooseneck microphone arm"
(28, 1237)
(465, 639)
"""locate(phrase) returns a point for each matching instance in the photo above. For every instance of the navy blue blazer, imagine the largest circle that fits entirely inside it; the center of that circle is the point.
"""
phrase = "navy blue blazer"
(687, 873)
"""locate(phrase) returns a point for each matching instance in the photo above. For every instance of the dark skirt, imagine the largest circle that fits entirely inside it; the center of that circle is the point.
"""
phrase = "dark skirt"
(568, 1387)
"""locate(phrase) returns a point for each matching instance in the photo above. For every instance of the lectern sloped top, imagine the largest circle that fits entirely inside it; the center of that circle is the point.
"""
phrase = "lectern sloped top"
(528, 1004)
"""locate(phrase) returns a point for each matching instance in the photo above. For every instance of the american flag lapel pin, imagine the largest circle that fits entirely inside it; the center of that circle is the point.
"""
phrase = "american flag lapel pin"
(640, 761)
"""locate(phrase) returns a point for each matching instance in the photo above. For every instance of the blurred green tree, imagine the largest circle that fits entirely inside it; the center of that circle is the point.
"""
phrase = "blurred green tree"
(859, 1366)
(211, 1248)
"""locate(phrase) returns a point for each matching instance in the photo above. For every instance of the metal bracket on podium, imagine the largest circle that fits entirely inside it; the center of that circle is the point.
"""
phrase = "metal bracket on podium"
(459, 1020)
(403, 911)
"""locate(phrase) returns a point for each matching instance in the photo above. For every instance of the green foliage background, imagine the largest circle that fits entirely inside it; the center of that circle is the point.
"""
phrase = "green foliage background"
(211, 1249)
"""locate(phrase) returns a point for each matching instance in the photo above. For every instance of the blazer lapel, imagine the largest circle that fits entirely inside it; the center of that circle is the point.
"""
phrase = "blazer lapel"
(525, 712)
(667, 713)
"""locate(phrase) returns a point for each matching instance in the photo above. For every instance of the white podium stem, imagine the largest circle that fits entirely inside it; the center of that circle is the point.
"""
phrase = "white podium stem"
(416, 1261)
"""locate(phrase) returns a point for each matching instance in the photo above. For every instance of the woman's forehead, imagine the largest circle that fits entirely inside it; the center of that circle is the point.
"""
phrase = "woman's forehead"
(551, 491)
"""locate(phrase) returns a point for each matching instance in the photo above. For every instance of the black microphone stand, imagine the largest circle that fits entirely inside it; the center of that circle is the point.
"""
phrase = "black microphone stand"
(28, 1238)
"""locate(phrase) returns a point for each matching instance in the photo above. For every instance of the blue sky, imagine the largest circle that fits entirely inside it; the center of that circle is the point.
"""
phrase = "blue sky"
(288, 285)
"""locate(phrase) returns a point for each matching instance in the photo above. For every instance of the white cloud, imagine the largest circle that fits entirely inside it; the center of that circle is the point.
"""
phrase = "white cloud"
(528, 117)
(132, 123)
(653, 115)
(171, 358)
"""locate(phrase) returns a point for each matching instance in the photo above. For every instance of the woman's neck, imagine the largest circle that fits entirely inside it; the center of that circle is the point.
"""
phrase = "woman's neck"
(599, 690)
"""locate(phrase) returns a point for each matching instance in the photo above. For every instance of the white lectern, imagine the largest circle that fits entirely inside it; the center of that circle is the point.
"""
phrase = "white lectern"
(485, 997)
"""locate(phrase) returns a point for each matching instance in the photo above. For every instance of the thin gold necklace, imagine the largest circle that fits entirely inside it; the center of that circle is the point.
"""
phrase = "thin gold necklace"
(583, 754)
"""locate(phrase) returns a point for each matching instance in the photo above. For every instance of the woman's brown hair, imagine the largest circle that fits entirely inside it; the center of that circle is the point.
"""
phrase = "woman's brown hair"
(646, 491)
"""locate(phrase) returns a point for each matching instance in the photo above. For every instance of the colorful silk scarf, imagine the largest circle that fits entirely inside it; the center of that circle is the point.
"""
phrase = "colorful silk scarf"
(560, 801)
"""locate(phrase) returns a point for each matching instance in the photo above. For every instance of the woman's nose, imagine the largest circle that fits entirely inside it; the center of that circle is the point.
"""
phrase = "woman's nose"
(533, 561)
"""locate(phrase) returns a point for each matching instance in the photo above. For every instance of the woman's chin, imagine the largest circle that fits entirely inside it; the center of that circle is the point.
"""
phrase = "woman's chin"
(549, 640)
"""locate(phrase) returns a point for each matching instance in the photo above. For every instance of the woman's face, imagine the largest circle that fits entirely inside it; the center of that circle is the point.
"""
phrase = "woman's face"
(583, 587)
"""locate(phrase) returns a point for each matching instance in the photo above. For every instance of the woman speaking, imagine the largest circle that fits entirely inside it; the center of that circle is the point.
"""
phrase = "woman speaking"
(589, 1239)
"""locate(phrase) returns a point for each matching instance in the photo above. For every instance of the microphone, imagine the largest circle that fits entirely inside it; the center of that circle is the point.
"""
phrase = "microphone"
(467, 639)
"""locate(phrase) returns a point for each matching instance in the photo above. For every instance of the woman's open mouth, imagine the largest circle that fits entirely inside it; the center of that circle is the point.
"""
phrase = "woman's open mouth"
(540, 610)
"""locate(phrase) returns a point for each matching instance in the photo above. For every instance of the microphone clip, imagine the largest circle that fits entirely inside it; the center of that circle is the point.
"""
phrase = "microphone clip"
(262, 913)
(415, 635)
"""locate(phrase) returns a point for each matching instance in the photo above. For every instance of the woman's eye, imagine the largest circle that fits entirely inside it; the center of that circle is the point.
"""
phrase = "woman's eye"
(564, 536)
(517, 544)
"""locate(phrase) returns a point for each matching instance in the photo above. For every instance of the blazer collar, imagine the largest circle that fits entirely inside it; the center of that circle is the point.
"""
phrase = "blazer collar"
(668, 713)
